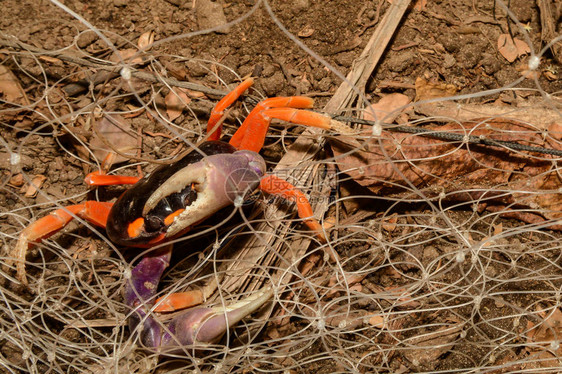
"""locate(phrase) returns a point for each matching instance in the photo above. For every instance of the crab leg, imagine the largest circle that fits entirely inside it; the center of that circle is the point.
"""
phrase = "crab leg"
(194, 326)
(279, 187)
(94, 212)
(99, 178)
(225, 102)
(258, 124)
(300, 102)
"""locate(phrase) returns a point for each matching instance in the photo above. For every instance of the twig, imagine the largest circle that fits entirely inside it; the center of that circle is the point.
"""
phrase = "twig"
(369, 58)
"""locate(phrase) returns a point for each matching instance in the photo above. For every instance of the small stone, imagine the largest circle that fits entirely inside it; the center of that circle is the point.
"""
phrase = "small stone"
(300, 5)
(274, 84)
(210, 14)
(86, 38)
(324, 84)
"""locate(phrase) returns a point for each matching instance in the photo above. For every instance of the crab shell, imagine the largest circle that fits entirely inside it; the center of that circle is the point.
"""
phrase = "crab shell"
(175, 197)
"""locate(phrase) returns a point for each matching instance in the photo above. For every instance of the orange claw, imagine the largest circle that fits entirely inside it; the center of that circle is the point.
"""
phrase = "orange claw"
(93, 211)
(279, 187)
(178, 301)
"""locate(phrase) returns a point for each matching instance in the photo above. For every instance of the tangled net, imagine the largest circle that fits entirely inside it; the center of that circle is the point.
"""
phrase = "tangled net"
(443, 251)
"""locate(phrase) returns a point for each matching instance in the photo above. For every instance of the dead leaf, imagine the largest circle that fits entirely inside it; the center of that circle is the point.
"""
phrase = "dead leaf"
(128, 55)
(386, 108)
(532, 110)
(426, 90)
(419, 5)
(512, 48)
(194, 94)
(176, 101)
(377, 321)
(10, 87)
(389, 223)
(16, 180)
(145, 40)
(550, 75)
(424, 348)
(523, 68)
(306, 32)
(474, 174)
(544, 334)
(117, 133)
(36, 183)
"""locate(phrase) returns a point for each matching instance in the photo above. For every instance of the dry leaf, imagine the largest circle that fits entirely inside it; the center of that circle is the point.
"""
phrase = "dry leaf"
(377, 321)
(512, 48)
(540, 337)
(116, 131)
(550, 75)
(176, 100)
(16, 180)
(389, 224)
(128, 55)
(36, 183)
(194, 94)
(419, 5)
(10, 87)
(425, 348)
(386, 108)
(145, 40)
(306, 32)
(426, 90)
(523, 68)
(474, 174)
(532, 110)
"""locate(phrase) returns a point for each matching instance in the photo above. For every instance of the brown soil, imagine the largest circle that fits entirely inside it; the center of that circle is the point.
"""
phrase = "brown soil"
(450, 41)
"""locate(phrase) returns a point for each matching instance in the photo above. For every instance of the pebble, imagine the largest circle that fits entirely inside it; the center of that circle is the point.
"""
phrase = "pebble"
(86, 38)
(210, 14)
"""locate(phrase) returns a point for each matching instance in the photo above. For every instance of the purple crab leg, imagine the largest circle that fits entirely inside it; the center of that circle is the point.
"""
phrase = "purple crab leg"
(140, 292)
(193, 328)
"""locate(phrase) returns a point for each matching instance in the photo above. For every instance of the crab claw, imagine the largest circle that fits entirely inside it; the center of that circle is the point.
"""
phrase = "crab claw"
(195, 328)
(200, 326)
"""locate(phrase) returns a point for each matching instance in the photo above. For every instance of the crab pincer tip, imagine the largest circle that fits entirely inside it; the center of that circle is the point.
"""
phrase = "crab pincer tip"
(207, 325)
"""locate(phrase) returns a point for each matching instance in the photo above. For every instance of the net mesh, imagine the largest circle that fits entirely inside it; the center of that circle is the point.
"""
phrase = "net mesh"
(443, 249)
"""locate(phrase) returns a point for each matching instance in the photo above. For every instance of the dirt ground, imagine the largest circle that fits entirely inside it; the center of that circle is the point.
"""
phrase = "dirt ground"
(406, 328)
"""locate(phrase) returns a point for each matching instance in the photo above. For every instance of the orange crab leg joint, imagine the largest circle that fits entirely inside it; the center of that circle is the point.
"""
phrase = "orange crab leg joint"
(301, 117)
(256, 117)
(279, 187)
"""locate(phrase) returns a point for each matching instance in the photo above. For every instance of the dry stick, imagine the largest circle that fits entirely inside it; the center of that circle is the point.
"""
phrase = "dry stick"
(548, 26)
(270, 237)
